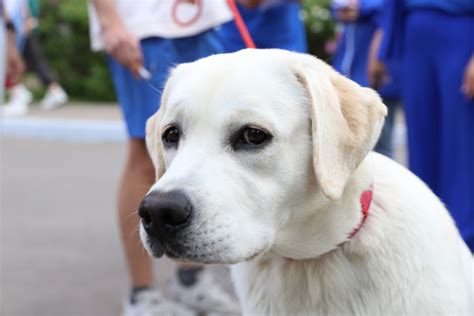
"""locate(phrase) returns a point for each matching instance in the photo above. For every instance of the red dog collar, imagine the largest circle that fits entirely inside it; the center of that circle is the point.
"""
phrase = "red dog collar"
(365, 201)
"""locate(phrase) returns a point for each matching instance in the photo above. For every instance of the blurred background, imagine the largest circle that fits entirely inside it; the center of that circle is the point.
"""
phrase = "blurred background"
(64, 37)
(60, 252)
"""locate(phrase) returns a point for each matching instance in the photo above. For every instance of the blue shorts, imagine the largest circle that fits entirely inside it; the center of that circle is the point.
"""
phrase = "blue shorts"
(137, 99)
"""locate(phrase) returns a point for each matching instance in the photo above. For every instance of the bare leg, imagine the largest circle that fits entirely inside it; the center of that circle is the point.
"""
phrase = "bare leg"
(137, 178)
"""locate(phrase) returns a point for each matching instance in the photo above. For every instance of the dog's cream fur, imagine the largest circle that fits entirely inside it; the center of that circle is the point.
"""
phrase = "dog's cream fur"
(283, 214)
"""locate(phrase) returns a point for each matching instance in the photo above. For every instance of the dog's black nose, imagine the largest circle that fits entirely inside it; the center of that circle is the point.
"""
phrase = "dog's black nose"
(164, 211)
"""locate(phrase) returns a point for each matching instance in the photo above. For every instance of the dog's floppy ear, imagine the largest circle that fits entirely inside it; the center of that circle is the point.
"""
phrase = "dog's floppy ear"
(153, 143)
(153, 133)
(346, 122)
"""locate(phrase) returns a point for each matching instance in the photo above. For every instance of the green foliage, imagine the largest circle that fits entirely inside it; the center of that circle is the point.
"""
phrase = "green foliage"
(64, 38)
(320, 26)
(64, 35)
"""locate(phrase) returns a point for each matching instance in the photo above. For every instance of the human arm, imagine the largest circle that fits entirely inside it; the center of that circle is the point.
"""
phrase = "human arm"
(376, 71)
(122, 45)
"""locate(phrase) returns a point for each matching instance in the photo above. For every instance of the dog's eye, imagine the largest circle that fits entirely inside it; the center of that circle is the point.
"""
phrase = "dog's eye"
(251, 137)
(171, 135)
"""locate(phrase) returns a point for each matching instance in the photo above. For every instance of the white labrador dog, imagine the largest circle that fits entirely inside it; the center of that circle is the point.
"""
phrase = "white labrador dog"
(262, 160)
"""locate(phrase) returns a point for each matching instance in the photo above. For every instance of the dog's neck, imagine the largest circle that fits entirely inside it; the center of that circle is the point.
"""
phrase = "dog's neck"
(318, 229)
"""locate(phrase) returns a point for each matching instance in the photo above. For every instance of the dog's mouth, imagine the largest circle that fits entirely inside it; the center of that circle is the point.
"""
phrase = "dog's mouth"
(180, 252)
(173, 250)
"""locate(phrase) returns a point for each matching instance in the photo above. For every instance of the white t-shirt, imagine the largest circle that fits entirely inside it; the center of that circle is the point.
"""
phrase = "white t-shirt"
(150, 18)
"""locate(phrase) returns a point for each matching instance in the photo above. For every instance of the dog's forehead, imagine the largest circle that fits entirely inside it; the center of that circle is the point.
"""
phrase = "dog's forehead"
(223, 84)
(223, 73)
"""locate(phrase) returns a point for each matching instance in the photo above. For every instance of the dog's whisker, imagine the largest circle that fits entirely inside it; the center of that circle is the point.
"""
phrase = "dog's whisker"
(143, 186)
(135, 230)
(128, 217)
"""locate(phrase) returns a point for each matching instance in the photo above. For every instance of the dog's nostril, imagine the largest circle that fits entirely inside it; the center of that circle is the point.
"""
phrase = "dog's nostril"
(173, 216)
(167, 218)
(145, 211)
(146, 218)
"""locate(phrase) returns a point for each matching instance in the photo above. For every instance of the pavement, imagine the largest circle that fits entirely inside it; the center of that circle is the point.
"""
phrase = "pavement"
(83, 122)
(59, 247)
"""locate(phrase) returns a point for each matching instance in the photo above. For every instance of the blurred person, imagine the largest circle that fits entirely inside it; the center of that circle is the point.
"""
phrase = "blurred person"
(27, 13)
(271, 23)
(358, 21)
(154, 35)
(55, 95)
(20, 97)
(11, 64)
(435, 41)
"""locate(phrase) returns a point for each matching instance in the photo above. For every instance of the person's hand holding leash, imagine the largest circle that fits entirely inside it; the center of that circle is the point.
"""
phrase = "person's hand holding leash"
(124, 47)
(119, 42)
(468, 82)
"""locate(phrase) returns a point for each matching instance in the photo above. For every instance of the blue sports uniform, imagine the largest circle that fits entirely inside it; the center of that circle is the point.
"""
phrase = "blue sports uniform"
(435, 40)
(353, 45)
(137, 99)
(277, 26)
(351, 59)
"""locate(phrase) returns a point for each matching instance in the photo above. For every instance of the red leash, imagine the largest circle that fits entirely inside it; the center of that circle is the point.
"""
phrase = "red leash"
(239, 22)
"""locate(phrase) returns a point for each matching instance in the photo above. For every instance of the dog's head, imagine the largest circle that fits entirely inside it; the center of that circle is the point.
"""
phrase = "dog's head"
(241, 143)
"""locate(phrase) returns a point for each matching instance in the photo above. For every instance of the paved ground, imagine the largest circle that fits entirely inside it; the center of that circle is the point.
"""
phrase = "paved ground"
(79, 111)
(59, 246)
(74, 122)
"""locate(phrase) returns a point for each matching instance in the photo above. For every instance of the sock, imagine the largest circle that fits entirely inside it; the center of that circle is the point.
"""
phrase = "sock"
(135, 291)
(188, 276)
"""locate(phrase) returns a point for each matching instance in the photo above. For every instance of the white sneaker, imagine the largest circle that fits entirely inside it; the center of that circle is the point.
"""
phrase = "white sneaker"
(152, 303)
(205, 296)
(54, 98)
(20, 98)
